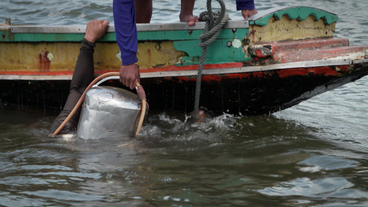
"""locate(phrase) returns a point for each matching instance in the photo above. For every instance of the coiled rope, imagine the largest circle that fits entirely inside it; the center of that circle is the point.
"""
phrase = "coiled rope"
(214, 23)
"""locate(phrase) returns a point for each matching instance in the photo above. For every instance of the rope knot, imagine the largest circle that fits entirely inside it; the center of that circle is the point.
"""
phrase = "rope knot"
(214, 23)
(204, 16)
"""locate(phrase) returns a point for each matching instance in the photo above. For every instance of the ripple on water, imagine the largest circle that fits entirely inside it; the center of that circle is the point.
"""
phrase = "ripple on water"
(324, 162)
(305, 187)
(9, 200)
(63, 195)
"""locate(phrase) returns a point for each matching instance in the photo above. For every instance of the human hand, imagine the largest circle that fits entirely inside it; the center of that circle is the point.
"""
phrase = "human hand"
(95, 30)
(249, 12)
(129, 75)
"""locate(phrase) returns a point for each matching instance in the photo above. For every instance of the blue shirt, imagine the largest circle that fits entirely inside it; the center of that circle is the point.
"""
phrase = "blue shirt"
(126, 30)
(245, 4)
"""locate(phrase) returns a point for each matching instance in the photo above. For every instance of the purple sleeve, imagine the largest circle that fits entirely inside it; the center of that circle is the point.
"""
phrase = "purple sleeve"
(245, 5)
(126, 30)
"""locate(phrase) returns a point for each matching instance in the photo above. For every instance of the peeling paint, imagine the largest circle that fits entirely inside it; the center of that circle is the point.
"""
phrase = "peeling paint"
(261, 51)
(44, 62)
(236, 43)
(245, 50)
(290, 29)
(118, 55)
(149, 57)
(50, 56)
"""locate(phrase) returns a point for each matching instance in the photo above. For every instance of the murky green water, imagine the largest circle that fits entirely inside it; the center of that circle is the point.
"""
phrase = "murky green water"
(313, 154)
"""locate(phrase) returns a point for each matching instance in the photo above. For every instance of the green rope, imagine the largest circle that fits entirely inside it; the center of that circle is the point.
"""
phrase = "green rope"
(214, 23)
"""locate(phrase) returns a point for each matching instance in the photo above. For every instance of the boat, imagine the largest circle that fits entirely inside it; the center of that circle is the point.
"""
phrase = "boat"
(266, 63)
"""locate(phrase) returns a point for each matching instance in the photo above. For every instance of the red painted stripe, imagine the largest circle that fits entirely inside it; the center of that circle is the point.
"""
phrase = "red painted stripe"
(325, 70)
(142, 70)
(309, 44)
(191, 67)
(299, 45)
(320, 54)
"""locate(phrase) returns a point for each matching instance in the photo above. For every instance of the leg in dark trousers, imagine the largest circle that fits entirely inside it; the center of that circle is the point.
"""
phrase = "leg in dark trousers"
(82, 76)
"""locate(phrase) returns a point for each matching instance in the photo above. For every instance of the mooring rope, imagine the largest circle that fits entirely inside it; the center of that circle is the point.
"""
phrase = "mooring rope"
(214, 23)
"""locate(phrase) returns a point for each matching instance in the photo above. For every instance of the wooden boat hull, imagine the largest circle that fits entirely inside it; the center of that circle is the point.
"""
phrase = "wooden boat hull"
(273, 61)
(242, 94)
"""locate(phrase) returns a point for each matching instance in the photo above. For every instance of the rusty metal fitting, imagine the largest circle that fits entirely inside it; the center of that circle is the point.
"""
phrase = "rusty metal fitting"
(245, 41)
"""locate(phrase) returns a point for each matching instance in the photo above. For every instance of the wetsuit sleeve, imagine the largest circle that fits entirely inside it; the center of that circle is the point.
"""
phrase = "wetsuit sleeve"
(126, 30)
(245, 5)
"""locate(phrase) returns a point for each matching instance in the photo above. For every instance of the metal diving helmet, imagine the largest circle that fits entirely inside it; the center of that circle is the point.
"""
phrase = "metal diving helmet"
(109, 112)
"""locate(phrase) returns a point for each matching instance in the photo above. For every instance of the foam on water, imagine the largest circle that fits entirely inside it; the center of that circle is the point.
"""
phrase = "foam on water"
(178, 127)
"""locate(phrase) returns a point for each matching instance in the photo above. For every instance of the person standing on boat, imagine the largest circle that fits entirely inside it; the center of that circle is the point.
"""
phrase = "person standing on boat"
(125, 20)
(143, 11)
(83, 75)
(247, 8)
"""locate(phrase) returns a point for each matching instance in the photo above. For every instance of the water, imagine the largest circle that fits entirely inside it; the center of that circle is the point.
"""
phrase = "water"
(313, 154)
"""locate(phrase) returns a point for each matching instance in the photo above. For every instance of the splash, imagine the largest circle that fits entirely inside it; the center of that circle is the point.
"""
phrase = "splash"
(177, 127)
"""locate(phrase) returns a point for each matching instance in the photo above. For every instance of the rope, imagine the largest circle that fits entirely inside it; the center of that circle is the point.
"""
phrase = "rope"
(214, 23)
(142, 96)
